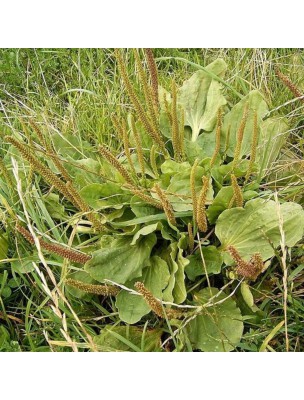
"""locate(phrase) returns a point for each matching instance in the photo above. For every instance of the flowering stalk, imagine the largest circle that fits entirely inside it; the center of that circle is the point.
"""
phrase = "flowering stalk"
(123, 134)
(62, 251)
(193, 191)
(153, 74)
(153, 161)
(247, 269)
(102, 290)
(147, 199)
(201, 206)
(155, 135)
(237, 192)
(155, 304)
(147, 89)
(47, 174)
(287, 82)
(138, 145)
(115, 163)
(191, 237)
(50, 150)
(166, 204)
(6, 175)
(239, 137)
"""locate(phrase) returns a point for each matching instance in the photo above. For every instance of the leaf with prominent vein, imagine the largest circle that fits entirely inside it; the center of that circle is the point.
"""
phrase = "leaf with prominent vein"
(255, 228)
(119, 260)
(220, 328)
(201, 97)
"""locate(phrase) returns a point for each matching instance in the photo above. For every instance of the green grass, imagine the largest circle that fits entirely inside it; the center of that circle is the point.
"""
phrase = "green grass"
(75, 91)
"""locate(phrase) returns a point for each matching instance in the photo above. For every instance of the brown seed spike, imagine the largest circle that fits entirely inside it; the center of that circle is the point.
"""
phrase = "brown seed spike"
(287, 82)
(201, 206)
(138, 145)
(121, 129)
(193, 191)
(70, 254)
(154, 75)
(247, 269)
(116, 164)
(155, 135)
(25, 233)
(167, 108)
(102, 290)
(148, 199)
(166, 204)
(39, 167)
(153, 161)
(190, 237)
(237, 192)
(4, 171)
(146, 89)
(152, 302)
(50, 150)
(239, 137)
(156, 305)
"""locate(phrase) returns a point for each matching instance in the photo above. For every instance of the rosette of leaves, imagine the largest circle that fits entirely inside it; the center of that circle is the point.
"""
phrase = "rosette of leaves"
(184, 189)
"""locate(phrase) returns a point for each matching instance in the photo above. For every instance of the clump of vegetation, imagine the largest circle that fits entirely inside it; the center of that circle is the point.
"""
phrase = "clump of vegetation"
(175, 231)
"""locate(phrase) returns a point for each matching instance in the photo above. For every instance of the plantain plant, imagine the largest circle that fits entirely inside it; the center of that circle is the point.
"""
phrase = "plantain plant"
(181, 223)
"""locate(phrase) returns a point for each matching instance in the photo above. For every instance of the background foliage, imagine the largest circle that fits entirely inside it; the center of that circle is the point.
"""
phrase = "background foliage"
(75, 92)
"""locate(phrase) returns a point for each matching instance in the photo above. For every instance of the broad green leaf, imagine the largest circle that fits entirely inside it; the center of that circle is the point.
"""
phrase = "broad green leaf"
(220, 328)
(213, 261)
(72, 146)
(14, 282)
(253, 228)
(226, 169)
(202, 148)
(84, 171)
(119, 261)
(169, 255)
(104, 195)
(201, 97)
(155, 277)
(4, 336)
(23, 263)
(247, 295)
(150, 218)
(233, 119)
(146, 230)
(172, 167)
(5, 292)
(219, 204)
(173, 255)
(111, 338)
(131, 307)
(137, 166)
(272, 138)
(179, 291)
